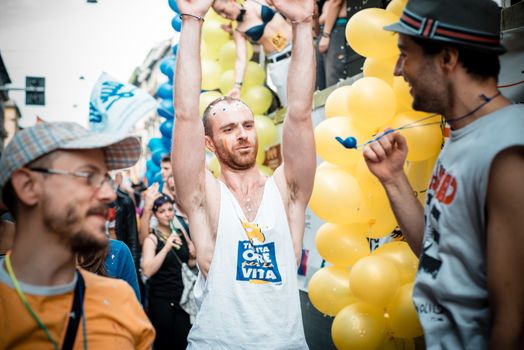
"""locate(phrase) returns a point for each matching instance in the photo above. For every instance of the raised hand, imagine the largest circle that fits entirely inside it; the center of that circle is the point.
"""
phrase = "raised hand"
(385, 157)
(151, 195)
(295, 10)
(194, 7)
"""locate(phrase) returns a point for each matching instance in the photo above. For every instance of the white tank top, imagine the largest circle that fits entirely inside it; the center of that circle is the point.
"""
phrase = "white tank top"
(250, 298)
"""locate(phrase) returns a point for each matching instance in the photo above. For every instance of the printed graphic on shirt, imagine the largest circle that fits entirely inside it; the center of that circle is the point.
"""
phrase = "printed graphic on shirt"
(253, 231)
(441, 192)
(257, 263)
(443, 185)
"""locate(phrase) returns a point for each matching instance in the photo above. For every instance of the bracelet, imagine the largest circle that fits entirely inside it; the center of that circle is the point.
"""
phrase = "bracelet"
(239, 83)
(301, 20)
(194, 16)
(326, 35)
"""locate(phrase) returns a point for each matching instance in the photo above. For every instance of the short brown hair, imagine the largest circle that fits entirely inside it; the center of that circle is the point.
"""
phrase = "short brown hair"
(208, 129)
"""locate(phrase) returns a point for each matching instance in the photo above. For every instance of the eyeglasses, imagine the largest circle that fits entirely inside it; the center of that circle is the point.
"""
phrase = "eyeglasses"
(95, 180)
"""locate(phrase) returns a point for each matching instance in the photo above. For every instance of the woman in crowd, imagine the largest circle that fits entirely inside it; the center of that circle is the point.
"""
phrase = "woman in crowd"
(259, 23)
(164, 250)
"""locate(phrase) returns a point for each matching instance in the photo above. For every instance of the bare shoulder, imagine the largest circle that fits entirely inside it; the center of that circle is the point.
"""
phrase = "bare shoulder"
(505, 180)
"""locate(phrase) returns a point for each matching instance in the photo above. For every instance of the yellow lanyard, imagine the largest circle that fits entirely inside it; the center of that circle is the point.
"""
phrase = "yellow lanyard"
(25, 302)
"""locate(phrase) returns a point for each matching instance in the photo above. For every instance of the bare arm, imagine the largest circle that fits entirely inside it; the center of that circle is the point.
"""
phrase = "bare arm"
(385, 159)
(152, 262)
(297, 139)
(505, 254)
(333, 8)
(151, 195)
(240, 63)
(188, 132)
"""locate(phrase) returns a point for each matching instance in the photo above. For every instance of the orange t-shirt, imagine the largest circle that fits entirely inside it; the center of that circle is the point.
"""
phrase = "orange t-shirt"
(113, 317)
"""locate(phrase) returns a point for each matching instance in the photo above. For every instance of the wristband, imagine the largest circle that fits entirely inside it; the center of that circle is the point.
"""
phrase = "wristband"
(194, 16)
(326, 35)
(239, 83)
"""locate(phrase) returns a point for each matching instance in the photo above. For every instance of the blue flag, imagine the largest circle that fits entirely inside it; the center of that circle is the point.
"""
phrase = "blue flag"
(115, 106)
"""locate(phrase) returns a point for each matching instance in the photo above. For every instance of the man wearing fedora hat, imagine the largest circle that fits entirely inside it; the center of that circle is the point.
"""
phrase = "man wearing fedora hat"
(469, 290)
(53, 178)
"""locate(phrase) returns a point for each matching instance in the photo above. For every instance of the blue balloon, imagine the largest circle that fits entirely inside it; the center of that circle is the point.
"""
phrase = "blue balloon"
(166, 109)
(155, 143)
(167, 142)
(149, 176)
(174, 6)
(152, 167)
(166, 128)
(174, 49)
(158, 154)
(158, 179)
(165, 91)
(176, 23)
(167, 66)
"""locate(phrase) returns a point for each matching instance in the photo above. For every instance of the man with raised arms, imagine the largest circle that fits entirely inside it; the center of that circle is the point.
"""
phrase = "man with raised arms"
(247, 228)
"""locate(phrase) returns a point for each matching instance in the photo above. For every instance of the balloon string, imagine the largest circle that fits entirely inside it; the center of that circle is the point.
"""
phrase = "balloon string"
(409, 125)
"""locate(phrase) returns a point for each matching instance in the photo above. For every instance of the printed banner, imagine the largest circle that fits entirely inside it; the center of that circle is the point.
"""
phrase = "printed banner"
(115, 106)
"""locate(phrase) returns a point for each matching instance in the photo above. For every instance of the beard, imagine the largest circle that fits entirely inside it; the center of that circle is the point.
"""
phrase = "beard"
(430, 93)
(72, 230)
(237, 161)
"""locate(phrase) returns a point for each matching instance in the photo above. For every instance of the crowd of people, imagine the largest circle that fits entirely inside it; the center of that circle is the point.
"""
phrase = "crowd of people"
(204, 263)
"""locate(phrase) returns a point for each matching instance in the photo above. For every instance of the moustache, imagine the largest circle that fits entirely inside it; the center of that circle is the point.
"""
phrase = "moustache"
(98, 210)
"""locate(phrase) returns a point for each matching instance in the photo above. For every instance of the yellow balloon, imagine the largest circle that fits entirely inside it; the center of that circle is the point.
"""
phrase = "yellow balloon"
(255, 74)
(366, 35)
(227, 81)
(337, 197)
(342, 245)
(266, 130)
(425, 140)
(402, 319)
(358, 326)
(381, 68)
(211, 15)
(214, 36)
(211, 73)
(402, 256)
(327, 166)
(329, 291)
(207, 52)
(401, 89)
(228, 54)
(336, 103)
(396, 7)
(374, 280)
(329, 149)
(258, 98)
(363, 103)
(206, 98)
(419, 175)
(214, 166)
(265, 170)
(261, 154)
(382, 221)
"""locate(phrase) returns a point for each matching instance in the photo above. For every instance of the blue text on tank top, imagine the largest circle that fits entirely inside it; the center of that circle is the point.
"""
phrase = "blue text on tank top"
(256, 32)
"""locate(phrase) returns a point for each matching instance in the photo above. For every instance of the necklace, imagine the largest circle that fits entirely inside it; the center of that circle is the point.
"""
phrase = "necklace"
(30, 309)
(486, 101)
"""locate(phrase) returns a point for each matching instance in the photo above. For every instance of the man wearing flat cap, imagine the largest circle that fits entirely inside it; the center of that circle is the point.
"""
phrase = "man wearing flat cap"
(53, 178)
(469, 290)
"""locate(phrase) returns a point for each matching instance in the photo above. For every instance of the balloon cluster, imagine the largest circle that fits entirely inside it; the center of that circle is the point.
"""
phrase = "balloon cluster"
(160, 146)
(368, 293)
